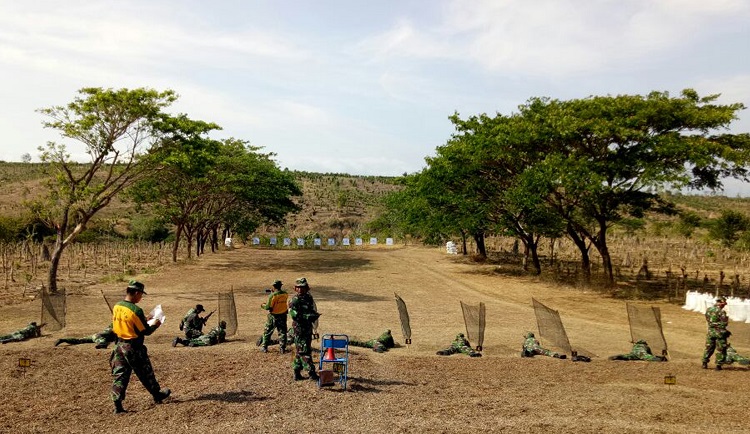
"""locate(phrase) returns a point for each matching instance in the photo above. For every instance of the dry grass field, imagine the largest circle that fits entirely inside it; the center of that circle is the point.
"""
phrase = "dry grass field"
(234, 388)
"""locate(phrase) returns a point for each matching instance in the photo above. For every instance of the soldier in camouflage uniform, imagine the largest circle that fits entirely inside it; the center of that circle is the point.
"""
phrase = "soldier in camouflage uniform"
(732, 357)
(459, 345)
(277, 312)
(302, 311)
(101, 339)
(192, 324)
(130, 354)
(640, 351)
(380, 345)
(716, 338)
(30, 331)
(215, 336)
(531, 347)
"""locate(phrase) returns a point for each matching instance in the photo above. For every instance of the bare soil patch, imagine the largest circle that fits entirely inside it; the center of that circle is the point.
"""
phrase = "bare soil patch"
(233, 387)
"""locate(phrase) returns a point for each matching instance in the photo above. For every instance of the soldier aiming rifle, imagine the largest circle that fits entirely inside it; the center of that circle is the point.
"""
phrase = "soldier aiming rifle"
(192, 324)
(30, 331)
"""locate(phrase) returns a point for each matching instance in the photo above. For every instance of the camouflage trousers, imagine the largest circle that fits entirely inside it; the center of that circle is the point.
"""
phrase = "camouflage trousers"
(77, 341)
(732, 357)
(191, 333)
(277, 322)
(538, 351)
(303, 350)
(127, 358)
(372, 343)
(715, 342)
(13, 337)
(635, 356)
(202, 341)
(453, 349)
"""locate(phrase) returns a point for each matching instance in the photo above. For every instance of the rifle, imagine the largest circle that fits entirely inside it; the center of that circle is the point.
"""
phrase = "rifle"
(207, 316)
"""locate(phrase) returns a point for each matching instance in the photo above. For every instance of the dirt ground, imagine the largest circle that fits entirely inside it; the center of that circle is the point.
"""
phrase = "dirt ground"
(234, 388)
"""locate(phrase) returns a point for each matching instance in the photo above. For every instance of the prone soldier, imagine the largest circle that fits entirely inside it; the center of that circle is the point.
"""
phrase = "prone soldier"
(30, 331)
(215, 336)
(640, 351)
(531, 347)
(381, 344)
(101, 339)
(459, 345)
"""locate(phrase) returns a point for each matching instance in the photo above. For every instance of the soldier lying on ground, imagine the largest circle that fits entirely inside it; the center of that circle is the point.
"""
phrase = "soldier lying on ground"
(732, 357)
(459, 345)
(640, 351)
(101, 339)
(30, 331)
(531, 347)
(215, 336)
(381, 344)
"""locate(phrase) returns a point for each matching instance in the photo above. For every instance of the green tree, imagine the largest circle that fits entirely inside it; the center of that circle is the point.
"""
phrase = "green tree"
(729, 227)
(114, 127)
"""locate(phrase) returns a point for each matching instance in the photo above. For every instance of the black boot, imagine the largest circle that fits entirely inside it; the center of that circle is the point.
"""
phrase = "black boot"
(162, 395)
(176, 341)
(705, 365)
(118, 408)
(314, 375)
(59, 341)
(718, 367)
(298, 375)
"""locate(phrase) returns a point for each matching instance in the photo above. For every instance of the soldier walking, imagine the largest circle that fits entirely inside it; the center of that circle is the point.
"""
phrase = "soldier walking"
(716, 338)
(302, 311)
(130, 354)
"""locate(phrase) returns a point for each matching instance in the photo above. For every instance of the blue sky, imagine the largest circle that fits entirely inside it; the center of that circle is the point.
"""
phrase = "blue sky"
(362, 87)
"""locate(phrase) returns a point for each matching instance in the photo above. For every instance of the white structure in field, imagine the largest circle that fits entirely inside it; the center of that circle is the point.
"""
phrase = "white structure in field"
(451, 248)
(737, 309)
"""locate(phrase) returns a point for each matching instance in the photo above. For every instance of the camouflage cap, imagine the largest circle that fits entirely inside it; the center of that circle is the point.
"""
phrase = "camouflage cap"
(301, 282)
(277, 284)
(721, 299)
(199, 308)
(223, 324)
(641, 341)
(136, 286)
(529, 335)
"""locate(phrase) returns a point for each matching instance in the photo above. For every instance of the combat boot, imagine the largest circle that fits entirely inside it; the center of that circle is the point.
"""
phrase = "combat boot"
(176, 341)
(59, 341)
(263, 349)
(162, 395)
(718, 367)
(475, 355)
(298, 375)
(100, 346)
(705, 365)
(314, 376)
(118, 408)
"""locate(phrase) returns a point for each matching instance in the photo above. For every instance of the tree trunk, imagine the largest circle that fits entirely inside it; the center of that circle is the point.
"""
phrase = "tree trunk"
(54, 265)
(481, 248)
(600, 242)
(176, 244)
(581, 244)
(463, 241)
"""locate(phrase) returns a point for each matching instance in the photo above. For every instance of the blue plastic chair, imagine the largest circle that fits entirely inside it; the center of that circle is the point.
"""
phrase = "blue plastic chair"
(339, 345)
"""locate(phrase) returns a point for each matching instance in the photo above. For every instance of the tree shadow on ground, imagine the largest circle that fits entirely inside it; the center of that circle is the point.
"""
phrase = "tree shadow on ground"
(230, 396)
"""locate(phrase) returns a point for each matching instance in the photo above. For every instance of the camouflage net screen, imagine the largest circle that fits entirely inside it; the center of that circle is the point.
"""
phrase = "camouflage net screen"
(403, 315)
(53, 310)
(645, 323)
(550, 327)
(474, 319)
(228, 311)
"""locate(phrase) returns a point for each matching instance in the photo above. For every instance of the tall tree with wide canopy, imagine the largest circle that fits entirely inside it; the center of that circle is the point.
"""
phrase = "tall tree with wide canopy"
(607, 157)
(114, 127)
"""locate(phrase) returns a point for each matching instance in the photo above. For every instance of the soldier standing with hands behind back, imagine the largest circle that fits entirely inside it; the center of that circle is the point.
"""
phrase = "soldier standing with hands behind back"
(130, 354)
(302, 311)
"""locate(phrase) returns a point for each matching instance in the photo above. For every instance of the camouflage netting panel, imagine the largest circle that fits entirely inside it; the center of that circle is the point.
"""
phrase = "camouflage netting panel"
(403, 315)
(550, 327)
(53, 310)
(645, 323)
(228, 311)
(474, 321)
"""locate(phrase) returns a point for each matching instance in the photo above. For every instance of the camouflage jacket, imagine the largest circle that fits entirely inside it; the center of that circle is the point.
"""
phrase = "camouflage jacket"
(717, 319)
(302, 309)
(192, 321)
